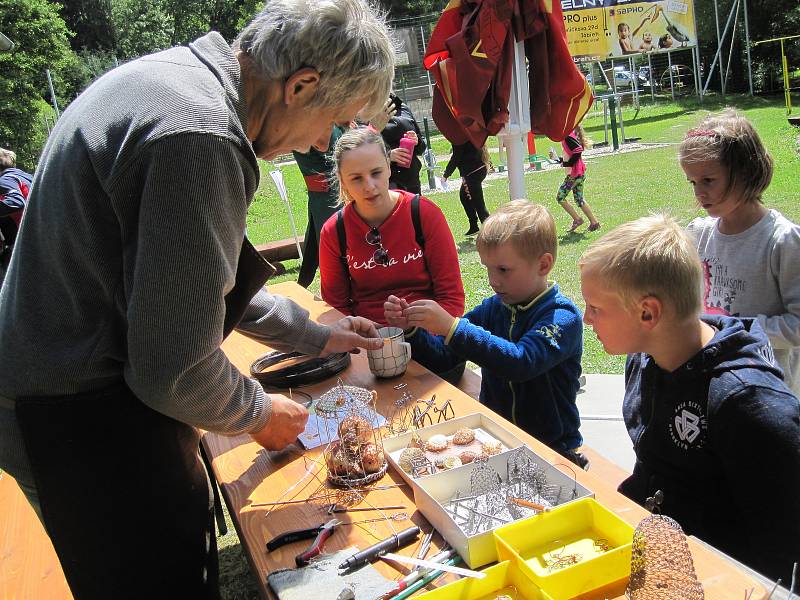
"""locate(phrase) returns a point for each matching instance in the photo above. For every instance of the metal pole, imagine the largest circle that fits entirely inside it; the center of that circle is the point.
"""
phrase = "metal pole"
(747, 46)
(733, 39)
(669, 70)
(696, 61)
(429, 166)
(55, 101)
(719, 46)
(605, 120)
(719, 49)
(652, 87)
(427, 73)
(697, 57)
(786, 92)
(518, 125)
(621, 122)
(612, 110)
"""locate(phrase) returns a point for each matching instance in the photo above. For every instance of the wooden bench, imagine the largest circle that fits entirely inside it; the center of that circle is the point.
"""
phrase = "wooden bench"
(29, 567)
(470, 384)
(280, 249)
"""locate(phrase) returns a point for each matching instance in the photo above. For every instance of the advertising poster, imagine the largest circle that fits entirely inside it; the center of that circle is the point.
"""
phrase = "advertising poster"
(601, 29)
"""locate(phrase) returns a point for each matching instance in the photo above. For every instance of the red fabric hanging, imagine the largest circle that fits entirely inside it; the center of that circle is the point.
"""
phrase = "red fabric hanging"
(470, 55)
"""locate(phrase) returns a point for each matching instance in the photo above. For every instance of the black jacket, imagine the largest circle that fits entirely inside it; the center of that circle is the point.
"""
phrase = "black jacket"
(401, 177)
(720, 437)
(467, 158)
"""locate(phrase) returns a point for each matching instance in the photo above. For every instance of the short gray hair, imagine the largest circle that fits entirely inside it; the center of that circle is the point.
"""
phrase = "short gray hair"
(346, 41)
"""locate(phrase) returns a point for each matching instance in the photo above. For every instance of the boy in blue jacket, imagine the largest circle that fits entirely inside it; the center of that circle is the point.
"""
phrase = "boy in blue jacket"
(715, 429)
(527, 338)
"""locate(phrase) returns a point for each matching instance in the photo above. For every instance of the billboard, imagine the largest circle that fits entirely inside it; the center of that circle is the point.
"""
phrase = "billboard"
(601, 29)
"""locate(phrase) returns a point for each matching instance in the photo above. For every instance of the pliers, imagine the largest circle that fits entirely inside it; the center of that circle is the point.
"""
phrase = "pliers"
(320, 533)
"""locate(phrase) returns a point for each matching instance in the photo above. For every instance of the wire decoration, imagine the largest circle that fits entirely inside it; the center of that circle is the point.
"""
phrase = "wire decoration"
(661, 563)
(493, 500)
(357, 458)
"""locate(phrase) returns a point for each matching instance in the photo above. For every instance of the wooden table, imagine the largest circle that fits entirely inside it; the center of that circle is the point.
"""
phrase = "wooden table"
(248, 475)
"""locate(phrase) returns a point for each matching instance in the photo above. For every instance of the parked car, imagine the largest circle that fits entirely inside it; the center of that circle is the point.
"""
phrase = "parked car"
(622, 78)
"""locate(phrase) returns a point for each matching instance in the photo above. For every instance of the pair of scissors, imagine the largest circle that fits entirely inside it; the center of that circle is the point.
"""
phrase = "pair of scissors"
(320, 534)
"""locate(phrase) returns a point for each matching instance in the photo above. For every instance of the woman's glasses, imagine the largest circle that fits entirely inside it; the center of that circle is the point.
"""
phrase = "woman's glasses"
(381, 256)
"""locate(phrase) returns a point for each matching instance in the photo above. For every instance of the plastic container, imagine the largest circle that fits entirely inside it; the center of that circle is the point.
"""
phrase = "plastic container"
(569, 530)
(504, 578)
(433, 493)
(409, 144)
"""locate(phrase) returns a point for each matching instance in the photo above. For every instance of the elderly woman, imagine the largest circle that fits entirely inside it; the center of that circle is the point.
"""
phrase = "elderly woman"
(133, 266)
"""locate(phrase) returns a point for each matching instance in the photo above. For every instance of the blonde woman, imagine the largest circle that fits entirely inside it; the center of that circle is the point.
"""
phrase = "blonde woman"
(384, 242)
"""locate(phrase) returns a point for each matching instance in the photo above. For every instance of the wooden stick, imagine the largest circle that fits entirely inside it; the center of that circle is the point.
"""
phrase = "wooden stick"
(528, 503)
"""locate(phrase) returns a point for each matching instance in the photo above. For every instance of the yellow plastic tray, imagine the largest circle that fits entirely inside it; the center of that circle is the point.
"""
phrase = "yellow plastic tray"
(502, 578)
(534, 544)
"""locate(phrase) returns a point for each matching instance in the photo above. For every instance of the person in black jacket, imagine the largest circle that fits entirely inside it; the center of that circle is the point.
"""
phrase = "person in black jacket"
(471, 164)
(402, 121)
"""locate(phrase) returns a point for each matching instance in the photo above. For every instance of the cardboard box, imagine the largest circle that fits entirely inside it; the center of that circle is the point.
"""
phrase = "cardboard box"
(394, 446)
(432, 493)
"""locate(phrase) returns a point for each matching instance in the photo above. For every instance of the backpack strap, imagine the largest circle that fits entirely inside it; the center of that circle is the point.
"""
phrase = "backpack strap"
(340, 232)
(415, 218)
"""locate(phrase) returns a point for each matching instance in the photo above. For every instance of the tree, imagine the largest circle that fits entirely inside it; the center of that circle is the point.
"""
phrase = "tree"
(40, 35)
(399, 9)
(91, 22)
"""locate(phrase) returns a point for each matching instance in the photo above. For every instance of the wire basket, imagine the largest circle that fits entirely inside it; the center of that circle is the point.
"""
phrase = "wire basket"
(661, 564)
(355, 456)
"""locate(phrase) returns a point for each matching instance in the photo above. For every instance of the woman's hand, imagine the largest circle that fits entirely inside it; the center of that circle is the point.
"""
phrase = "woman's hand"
(429, 315)
(393, 312)
(382, 119)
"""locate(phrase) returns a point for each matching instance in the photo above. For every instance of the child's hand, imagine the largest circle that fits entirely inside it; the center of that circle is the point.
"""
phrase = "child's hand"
(429, 315)
(394, 311)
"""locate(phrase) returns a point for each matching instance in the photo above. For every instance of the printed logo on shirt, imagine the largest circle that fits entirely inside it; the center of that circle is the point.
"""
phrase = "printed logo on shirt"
(720, 288)
(688, 426)
(371, 264)
(551, 332)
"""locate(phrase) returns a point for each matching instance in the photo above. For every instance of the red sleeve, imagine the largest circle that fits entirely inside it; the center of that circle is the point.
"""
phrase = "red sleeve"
(334, 282)
(442, 259)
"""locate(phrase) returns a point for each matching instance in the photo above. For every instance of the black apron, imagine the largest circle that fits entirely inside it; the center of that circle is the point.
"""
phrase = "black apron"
(124, 494)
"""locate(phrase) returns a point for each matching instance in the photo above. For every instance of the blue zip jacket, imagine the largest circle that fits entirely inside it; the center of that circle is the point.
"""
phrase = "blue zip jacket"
(720, 437)
(530, 358)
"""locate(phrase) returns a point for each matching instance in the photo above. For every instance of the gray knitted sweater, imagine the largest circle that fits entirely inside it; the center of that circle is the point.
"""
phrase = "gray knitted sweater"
(131, 241)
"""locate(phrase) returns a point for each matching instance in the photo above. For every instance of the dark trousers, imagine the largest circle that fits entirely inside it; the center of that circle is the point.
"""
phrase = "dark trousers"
(124, 496)
(471, 196)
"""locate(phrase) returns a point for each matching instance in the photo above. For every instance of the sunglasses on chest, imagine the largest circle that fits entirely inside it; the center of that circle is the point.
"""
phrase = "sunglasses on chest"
(380, 256)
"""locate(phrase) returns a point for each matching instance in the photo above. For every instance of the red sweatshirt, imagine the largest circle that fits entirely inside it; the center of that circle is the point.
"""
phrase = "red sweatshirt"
(409, 275)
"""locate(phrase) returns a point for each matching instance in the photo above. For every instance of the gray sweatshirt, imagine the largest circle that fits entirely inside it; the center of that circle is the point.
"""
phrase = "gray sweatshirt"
(131, 241)
(756, 273)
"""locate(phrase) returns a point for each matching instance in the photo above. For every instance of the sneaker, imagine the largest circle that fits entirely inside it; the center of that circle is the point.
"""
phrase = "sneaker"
(575, 224)
(577, 458)
(473, 230)
(594, 226)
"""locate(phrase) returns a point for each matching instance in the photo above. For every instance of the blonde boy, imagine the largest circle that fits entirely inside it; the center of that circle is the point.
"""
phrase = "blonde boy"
(527, 337)
(713, 425)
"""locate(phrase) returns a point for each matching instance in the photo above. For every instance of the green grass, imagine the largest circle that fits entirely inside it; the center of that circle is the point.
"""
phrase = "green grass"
(619, 188)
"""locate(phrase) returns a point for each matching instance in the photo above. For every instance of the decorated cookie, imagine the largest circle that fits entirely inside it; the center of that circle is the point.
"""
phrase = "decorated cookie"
(491, 448)
(409, 455)
(436, 443)
(464, 436)
(467, 456)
